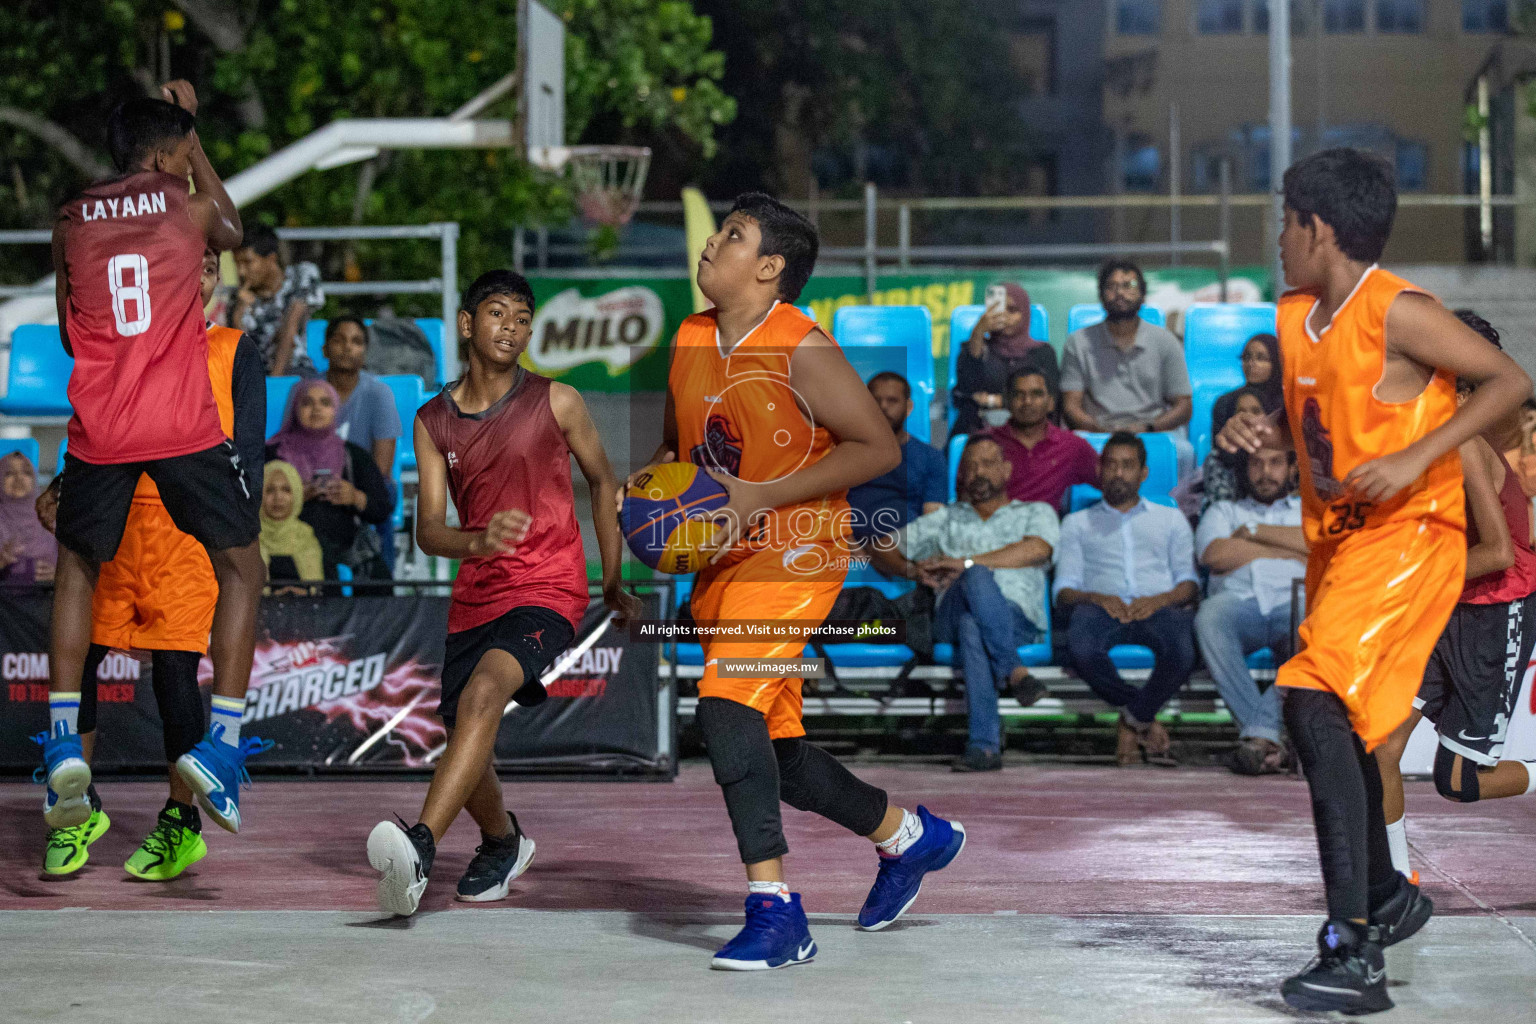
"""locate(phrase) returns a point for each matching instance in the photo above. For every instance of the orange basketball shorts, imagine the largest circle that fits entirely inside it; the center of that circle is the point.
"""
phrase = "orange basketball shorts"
(760, 588)
(158, 593)
(1377, 602)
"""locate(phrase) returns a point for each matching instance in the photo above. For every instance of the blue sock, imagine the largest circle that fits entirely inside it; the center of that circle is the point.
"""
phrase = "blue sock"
(64, 714)
(224, 722)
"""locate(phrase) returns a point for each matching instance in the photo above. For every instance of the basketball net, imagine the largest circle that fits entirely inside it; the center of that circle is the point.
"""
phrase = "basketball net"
(608, 181)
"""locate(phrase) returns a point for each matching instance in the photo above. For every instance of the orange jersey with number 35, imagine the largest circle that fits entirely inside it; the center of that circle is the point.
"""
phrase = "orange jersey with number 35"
(1337, 422)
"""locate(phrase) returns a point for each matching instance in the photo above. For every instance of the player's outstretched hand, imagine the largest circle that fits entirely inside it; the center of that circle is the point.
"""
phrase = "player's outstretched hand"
(181, 93)
(629, 481)
(1244, 432)
(504, 532)
(738, 514)
(622, 603)
(1380, 479)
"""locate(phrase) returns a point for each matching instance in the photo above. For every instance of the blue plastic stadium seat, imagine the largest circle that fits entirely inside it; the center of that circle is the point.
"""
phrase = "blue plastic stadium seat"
(409, 397)
(963, 321)
(431, 326)
(898, 339)
(1086, 314)
(278, 389)
(1031, 655)
(1262, 659)
(1127, 656)
(1162, 461)
(1204, 403)
(1215, 333)
(38, 381)
(867, 655)
(25, 445)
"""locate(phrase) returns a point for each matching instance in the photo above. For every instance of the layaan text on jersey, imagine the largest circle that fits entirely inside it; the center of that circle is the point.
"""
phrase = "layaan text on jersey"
(127, 206)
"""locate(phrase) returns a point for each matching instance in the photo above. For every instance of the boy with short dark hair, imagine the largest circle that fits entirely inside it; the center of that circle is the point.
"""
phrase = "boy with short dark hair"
(499, 440)
(765, 401)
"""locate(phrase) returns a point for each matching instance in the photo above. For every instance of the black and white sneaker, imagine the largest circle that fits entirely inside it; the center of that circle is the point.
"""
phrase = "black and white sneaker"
(496, 863)
(1348, 974)
(1401, 916)
(404, 857)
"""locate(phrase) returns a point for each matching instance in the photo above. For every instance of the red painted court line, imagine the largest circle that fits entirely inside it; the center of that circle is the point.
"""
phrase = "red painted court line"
(1043, 839)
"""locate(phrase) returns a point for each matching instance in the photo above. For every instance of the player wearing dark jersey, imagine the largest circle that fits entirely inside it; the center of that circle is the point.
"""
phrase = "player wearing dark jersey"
(128, 255)
(500, 441)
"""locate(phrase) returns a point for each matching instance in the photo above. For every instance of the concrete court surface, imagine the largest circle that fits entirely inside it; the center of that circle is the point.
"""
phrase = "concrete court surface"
(1084, 894)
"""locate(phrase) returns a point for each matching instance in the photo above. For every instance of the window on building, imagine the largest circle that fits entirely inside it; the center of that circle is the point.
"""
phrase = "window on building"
(1142, 165)
(1344, 15)
(1138, 17)
(1033, 50)
(1400, 15)
(1412, 162)
(1484, 15)
(1219, 17)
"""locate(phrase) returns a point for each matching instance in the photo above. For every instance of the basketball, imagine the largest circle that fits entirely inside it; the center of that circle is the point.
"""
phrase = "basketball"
(665, 517)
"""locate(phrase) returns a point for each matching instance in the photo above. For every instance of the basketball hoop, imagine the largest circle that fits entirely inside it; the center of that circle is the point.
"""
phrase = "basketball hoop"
(607, 180)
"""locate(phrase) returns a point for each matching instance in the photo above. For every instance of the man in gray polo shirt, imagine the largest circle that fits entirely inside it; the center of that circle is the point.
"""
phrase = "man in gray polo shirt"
(1124, 373)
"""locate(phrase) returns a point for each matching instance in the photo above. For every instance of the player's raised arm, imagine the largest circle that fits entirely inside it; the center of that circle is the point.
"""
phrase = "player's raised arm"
(433, 534)
(582, 438)
(1423, 332)
(211, 207)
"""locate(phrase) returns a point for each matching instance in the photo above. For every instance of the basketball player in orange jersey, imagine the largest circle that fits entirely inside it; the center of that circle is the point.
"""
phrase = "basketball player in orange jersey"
(766, 402)
(158, 595)
(1370, 365)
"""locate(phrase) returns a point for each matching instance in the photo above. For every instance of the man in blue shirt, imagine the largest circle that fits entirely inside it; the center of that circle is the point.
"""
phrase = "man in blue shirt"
(1126, 568)
(917, 486)
(367, 417)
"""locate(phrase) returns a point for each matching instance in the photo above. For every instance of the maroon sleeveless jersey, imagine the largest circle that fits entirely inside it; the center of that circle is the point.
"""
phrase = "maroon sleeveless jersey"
(1518, 581)
(513, 455)
(140, 387)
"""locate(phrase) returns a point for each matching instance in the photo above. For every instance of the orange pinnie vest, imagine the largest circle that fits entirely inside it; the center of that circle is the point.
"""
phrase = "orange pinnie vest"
(1337, 422)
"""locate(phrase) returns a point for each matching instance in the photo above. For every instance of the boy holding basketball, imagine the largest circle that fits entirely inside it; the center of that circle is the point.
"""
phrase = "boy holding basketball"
(499, 440)
(766, 402)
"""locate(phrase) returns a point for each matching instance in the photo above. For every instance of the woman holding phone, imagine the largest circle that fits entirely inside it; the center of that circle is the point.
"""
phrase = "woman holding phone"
(998, 347)
(342, 488)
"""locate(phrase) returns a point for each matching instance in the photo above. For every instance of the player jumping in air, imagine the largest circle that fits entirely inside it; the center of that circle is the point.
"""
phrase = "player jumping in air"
(128, 255)
(1369, 368)
(1477, 668)
(767, 403)
(158, 595)
(500, 441)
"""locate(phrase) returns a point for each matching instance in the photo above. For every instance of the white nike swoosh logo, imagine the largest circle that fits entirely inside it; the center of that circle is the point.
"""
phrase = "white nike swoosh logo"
(1462, 735)
(805, 951)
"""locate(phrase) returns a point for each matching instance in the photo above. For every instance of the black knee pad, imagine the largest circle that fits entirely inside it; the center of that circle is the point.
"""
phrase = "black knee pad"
(182, 722)
(748, 774)
(810, 779)
(1445, 782)
(85, 721)
(1313, 717)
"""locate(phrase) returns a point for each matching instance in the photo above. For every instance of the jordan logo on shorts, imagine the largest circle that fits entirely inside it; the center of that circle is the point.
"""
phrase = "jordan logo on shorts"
(537, 637)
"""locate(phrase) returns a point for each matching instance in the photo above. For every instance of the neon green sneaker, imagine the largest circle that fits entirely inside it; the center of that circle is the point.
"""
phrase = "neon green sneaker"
(68, 847)
(175, 845)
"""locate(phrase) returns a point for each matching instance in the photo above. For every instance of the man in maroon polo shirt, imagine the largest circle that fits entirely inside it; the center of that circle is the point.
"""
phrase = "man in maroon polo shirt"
(1047, 460)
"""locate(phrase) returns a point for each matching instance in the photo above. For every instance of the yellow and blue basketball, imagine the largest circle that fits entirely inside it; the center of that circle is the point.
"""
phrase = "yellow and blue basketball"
(666, 516)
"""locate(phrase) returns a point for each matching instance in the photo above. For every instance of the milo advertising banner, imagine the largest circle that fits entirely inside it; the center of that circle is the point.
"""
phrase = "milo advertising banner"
(612, 334)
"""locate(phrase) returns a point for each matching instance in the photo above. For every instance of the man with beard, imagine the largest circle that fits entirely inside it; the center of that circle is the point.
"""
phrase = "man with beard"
(917, 486)
(1254, 549)
(985, 557)
(1046, 459)
(1126, 568)
(1124, 373)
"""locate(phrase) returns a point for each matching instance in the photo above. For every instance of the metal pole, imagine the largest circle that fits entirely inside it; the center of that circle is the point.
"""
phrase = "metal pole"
(519, 249)
(450, 277)
(904, 234)
(1224, 219)
(541, 247)
(1279, 123)
(871, 273)
(1484, 169)
(1174, 184)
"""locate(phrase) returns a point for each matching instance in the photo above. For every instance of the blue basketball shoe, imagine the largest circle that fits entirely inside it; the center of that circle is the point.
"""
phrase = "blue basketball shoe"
(216, 771)
(901, 878)
(776, 935)
(68, 776)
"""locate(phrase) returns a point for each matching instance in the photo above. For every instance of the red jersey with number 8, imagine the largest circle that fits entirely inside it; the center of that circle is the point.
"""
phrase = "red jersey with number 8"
(134, 318)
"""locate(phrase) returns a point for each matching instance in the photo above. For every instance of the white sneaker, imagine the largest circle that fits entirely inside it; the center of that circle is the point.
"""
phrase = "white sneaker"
(404, 856)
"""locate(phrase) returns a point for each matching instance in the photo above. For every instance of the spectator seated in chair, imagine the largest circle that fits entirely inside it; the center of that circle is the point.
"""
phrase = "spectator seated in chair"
(1221, 478)
(1126, 569)
(1254, 548)
(1047, 460)
(999, 346)
(342, 488)
(28, 552)
(1124, 373)
(274, 302)
(985, 557)
(288, 544)
(914, 488)
(368, 417)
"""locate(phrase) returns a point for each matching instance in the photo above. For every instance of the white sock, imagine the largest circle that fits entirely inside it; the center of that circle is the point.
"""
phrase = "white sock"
(1530, 777)
(1397, 839)
(911, 831)
(227, 712)
(779, 889)
(64, 714)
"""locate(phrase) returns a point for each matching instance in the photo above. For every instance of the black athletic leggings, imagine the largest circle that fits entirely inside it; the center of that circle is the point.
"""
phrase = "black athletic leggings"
(174, 677)
(1346, 804)
(755, 773)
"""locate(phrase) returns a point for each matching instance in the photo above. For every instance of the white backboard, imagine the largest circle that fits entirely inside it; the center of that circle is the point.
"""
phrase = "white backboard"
(541, 66)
